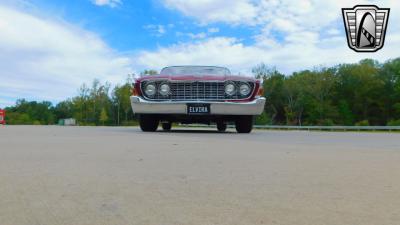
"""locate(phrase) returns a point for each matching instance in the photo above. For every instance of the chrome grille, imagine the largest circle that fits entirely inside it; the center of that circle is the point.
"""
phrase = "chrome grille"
(196, 91)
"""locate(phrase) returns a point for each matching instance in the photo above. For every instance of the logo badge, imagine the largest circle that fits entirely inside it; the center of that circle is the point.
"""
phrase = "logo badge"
(365, 27)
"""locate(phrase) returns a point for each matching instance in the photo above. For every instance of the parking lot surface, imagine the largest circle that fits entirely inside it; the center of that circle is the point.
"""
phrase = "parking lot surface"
(52, 175)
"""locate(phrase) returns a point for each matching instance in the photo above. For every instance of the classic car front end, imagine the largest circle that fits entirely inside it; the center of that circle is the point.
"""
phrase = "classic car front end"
(197, 94)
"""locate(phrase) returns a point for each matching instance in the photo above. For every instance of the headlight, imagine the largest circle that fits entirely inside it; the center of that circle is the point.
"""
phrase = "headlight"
(150, 89)
(164, 89)
(230, 89)
(244, 89)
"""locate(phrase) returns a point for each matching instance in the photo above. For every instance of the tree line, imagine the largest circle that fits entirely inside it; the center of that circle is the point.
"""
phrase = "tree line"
(363, 93)
(94, 105)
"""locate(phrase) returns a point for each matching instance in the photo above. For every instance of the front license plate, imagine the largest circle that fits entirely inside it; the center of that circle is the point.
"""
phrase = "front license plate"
(198, 108)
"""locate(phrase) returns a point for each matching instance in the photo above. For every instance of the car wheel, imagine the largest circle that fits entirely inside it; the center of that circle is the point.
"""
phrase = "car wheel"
(166, 126)
(148, 123)
(221, 127)
(244, 124)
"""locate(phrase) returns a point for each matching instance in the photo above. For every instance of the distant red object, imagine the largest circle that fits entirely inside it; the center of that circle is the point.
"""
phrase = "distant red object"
(2, 116)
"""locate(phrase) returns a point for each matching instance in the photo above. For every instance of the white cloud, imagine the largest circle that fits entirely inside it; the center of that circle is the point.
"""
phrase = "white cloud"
(215, 10)
(201, 35)
(230, 52)
(49, 60)
(333, 31)
(214, 51)
(212, 30)
(110, 3)
(252, 12)
(156, 30)
(287, 16)
(292, 35)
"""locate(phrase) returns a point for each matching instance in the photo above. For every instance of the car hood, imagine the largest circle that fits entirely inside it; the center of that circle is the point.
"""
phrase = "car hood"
(197, 78)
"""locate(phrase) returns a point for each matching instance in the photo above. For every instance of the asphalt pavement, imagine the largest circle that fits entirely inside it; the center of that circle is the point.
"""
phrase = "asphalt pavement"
(52, 175)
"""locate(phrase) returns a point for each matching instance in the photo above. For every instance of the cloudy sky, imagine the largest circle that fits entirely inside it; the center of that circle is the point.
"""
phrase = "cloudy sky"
(48, 48)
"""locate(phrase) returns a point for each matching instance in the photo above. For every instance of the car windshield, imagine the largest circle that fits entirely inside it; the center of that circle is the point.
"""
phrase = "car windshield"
(195, 70)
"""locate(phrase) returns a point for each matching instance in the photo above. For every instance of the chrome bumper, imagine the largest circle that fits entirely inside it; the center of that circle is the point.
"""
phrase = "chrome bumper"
(142, 106)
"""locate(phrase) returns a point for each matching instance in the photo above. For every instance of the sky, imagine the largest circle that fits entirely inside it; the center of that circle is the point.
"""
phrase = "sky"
(49, 48)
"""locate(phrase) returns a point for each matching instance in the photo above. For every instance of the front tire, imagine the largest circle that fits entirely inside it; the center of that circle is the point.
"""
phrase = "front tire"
(148, 123)
(244, 124)
(221, 127)
(166, 126)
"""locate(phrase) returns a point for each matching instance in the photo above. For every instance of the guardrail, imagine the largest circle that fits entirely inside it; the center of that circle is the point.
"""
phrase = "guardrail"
(309, 128)
(337, 128)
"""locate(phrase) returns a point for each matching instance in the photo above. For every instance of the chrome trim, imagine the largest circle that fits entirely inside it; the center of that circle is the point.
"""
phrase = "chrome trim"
(143, 88)
(142, 106)
(159, 88)
(221, 67)
(192, 81)
(246, 83)
(234, 84)
(163, 80)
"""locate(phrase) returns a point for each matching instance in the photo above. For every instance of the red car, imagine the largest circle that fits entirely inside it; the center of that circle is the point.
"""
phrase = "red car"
(2, 116)
(197, 94)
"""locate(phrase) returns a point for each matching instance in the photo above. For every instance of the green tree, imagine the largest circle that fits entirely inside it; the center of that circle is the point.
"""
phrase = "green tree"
(317, 91)
(346, 116)
(263, 119)
(64, 109)
(273, 85)
(362, 86)
(390, 72)
(103, 116)
(16, 118)
(294, 100)
(366, 92)
(263, 71)
(121, 98)
(25, 112)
